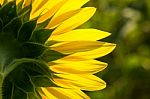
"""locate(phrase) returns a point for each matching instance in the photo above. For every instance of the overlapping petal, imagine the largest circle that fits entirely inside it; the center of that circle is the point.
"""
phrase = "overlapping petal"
(78, 19)
(105, 49)
(56, 5)
(27, 2)
(70, 6)
(80, 67)
(80, 81)
(85, 49)
(58, 20)
(63, 93)
(66, 11)
(77, 46)
(47, 94)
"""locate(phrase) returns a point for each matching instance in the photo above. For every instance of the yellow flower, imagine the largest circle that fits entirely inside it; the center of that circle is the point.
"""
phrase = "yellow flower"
(72, 73)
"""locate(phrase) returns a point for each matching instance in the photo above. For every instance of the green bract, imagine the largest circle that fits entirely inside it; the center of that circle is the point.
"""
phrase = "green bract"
(23, 53)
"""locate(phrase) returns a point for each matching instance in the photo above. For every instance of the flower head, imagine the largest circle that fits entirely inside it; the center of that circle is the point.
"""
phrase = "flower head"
(43, 55)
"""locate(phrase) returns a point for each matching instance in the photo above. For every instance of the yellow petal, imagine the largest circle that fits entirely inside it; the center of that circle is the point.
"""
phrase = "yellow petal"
(72, 58)
(51, 11)
(83, 82)
(103, 50)
(66, 11)
(47, 10)
(77, 46)
(80, 35)
(1, 1)
(27, 2)
(45, 94)
(62, 18)
(44, 97)
(79, 67)
(62, 93)
(84, 15)
(18, 1)
(69, 6)
(37, 4)
(48, 95)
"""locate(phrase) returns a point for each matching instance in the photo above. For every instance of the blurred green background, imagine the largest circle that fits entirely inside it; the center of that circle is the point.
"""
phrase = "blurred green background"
(128, 73)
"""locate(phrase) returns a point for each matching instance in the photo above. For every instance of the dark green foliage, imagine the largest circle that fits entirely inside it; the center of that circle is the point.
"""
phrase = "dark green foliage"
(32, 50)
(19, 6)
(42, 81)
(23, 55)
(25, 13)
(10, 49)
(51, 55)
(41, 35)
(12, 27)
(26, 30)
(26, 83)
(8, 12)
(24, 77)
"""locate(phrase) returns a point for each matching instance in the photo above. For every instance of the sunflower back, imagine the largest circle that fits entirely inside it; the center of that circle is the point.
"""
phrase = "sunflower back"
(23, 52)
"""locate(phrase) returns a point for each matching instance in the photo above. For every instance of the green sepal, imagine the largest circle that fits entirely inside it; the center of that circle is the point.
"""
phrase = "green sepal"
(35, 64)
(20, 78)
(51, 42)
(42, 81)
(43, 24)
(32, 50)
(26, 31)
(25, 13)
(51, 55)
(33, 96)
(23, 81)
(19, 6)
(11, 91)
(18, 93)
(37, 67)
(12, 27)
(8, 12)
(41, 35)
(10, 49)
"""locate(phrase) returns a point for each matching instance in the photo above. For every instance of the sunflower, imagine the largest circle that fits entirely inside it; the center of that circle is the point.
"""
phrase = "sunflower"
(43, 55)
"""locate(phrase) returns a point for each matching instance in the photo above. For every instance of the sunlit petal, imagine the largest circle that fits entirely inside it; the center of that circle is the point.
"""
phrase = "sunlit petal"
(83, 82)
(63, 93)
(80, 67)
(80, 35)
(84, 15)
